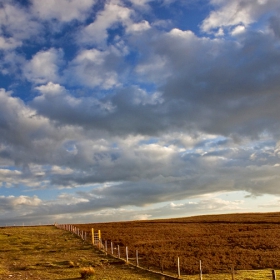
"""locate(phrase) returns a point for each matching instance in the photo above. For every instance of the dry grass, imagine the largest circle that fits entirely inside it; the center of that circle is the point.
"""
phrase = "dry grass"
(240, 275)
(87, 272)
(48, 253)
(245, 241)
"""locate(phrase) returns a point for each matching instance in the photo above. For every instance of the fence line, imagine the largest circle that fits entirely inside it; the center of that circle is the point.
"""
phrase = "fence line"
(97, 241)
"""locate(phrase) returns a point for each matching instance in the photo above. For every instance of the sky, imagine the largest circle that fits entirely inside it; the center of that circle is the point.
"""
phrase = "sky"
(138, 109)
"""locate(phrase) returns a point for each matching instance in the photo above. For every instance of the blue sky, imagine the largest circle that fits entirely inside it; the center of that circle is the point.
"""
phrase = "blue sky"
(126, 110)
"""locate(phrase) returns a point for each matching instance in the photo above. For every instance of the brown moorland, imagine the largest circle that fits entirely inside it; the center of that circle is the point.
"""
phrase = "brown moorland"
(243, 241)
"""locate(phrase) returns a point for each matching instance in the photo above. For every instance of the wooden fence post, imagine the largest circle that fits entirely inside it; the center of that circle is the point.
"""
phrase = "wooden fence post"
(232, 273)
(273, 274)
(126, 252)
(99, 239)
(92, 236)
(178, 262)
(112, 249)
(200, 270)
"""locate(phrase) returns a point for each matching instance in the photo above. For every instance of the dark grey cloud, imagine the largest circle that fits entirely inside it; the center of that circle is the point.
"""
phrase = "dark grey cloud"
(224, 87)
(275, 25)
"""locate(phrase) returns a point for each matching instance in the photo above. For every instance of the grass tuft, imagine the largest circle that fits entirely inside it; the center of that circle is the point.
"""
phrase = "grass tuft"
(71, 264)
(87, 272)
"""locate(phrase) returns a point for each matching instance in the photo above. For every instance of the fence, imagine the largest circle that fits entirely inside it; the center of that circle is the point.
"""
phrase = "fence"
(115, 251)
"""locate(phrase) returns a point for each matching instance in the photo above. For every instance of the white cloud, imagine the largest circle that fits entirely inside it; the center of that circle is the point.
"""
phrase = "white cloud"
(155, 69)
(213, 202)
(9, 43)
(96, 32)
(140, 217)
(220, 32)
(61, 170)
(238, 30)
(13, 202)
(51, 89)
(9, 177)
(44, 66)
(69, 199)
(64, 103)
(12, 62)
(142, 97)
(273, 203)
(142, 4)
(138, 27)
(233, 13)
(62, 10)
(18, 23)
(180, 33)
(277, 149)
(25, 200)
(94, 68)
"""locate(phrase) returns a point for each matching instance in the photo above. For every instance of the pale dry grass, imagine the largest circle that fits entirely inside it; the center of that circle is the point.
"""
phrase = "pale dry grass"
(238, 275)
(46, 252)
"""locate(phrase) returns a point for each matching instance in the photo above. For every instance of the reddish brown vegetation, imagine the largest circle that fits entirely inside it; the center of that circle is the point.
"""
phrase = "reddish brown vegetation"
(245, 241)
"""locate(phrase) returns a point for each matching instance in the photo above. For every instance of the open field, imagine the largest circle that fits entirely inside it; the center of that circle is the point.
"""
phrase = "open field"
(45, 252)
(242, 241)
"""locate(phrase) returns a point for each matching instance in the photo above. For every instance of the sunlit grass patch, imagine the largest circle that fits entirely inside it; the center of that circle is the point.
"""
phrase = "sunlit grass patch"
(50, 253)
(262, 274)
(2, 270)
